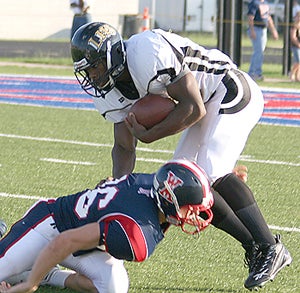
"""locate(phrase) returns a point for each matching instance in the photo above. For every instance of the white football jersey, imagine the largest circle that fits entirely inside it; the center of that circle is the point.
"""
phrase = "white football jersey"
(157, 58)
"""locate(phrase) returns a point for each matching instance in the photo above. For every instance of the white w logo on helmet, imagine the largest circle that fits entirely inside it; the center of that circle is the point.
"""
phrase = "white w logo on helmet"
(172, 182)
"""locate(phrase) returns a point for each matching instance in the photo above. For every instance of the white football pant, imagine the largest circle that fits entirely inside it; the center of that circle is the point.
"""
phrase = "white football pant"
(217, 141)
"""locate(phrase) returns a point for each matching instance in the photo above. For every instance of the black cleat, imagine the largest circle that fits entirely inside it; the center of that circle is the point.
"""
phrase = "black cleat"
(250, 256)
(268, 261)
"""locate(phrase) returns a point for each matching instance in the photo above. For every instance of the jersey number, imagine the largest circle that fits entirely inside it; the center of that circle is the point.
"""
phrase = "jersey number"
(86, 200)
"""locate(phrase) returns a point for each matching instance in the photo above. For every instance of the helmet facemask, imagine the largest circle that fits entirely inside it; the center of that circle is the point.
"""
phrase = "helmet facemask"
(188, 216)
(98, 87)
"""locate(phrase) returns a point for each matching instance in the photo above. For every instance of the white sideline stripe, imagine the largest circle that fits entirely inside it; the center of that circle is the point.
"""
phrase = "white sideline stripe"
(67, 162)
(22, 196)
(77, 142)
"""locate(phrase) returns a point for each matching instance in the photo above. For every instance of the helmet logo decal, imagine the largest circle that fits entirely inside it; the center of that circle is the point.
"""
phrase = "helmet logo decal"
(173, 182)
(103, 32)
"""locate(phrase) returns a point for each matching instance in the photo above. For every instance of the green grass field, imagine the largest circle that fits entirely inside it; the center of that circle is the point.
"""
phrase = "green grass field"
(31, 137)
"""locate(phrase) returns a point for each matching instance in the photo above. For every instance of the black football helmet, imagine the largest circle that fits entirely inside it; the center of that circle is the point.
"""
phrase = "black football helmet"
(182, 183)
(95, 43)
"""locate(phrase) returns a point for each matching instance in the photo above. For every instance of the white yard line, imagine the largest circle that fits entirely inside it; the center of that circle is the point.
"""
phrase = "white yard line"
(152, 160)
(270, 162)
(286, 229)
(158, 161)
(92, 144)
(48, 139)
(52, 160)
(21, 196)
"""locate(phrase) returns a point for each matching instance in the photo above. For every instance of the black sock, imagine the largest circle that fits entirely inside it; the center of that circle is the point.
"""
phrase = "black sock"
(256, 224)
(226, 220)
(241, 200)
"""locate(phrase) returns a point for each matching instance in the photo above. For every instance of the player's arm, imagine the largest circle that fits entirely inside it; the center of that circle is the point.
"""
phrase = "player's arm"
(66, 243)
(189, 110)
(123, 151)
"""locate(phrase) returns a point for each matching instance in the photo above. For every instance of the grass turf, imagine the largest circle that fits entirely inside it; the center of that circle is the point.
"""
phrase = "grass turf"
(212, 263)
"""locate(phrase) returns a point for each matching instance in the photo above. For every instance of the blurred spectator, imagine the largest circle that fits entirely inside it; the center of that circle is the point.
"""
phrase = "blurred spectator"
(81, 16)
(259, 20)
(295, 47)
(296, 7)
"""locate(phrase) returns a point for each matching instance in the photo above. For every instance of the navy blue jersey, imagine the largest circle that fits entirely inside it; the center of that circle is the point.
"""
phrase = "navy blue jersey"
(126, 212)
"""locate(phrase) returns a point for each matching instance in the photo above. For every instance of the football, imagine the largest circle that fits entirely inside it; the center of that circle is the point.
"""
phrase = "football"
(152, 109)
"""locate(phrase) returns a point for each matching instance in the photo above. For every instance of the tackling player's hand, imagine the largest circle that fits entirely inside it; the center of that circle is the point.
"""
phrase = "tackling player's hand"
(241, 171)
(4, 286)
(21, 287)
(107, 179)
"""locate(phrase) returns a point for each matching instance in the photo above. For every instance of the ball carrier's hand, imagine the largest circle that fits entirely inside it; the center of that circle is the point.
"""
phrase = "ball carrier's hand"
(135, 128)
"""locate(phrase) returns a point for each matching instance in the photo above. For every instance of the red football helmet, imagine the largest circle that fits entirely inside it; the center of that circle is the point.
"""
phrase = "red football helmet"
(183, 194)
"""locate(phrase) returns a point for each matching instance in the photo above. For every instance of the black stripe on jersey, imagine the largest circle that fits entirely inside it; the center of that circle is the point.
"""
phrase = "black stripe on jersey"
(189, 52)
(199, 67)
(232, 92)
(177, 54)
(170, 71)
(114, 110)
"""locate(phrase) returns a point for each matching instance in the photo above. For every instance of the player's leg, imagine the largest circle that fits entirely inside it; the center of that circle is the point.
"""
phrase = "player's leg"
(217, 140)
(270, 255)
(226, 220)
(24, 241)
(110, 275)
(79, 283)
(221, 139)
(241, 200)
(20, 247)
